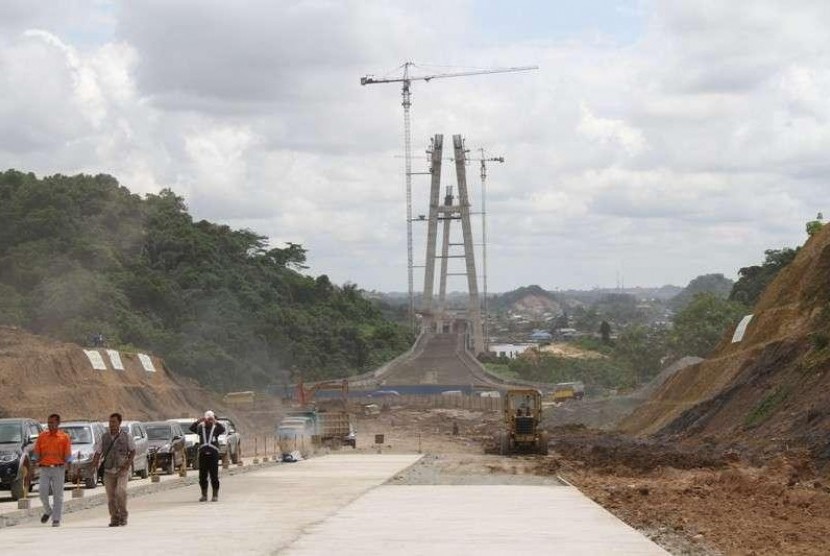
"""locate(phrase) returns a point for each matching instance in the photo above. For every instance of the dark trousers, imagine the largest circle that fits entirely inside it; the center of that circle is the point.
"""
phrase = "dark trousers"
(209, 463)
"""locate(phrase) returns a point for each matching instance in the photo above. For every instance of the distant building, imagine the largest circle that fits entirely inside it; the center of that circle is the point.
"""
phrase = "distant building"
(511, 351)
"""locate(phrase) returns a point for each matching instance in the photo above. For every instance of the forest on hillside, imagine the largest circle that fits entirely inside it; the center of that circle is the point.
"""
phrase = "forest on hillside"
(82, 256)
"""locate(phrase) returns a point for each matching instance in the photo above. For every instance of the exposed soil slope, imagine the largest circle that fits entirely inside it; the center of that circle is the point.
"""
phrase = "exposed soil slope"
(769, 392)
(39, 376)
(607, 412)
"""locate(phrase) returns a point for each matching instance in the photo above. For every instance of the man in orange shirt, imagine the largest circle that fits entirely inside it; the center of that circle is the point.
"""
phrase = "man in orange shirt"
(52, 451)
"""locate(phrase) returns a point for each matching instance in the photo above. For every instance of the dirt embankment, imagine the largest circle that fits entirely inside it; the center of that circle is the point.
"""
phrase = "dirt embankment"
(767, 393)
(39, 376)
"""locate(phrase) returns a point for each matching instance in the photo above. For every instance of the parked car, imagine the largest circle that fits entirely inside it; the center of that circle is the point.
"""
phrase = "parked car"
(166, 445)
(83, 435)
(191, 441)
(230, 443)
(141, 464)
(17, 438)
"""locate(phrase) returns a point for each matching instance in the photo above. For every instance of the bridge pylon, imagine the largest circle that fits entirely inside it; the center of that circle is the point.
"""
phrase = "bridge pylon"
(434, 314)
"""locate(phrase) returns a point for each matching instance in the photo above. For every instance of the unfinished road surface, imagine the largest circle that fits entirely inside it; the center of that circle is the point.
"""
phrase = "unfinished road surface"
(343, 504)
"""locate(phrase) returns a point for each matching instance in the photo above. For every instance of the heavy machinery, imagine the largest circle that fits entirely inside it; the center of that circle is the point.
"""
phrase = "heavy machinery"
(305, 396)
(522, 416)
(314, 423)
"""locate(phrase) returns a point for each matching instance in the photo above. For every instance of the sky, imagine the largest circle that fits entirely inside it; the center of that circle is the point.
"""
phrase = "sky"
(659, 139)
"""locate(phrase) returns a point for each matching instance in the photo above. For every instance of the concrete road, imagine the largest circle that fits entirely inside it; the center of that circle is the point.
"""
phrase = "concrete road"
(482, 520)
(259, 512)
(9, 507)
(335, 505)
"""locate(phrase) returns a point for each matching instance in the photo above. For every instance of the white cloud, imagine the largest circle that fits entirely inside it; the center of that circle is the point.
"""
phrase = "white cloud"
(689, 150)
(605, 131)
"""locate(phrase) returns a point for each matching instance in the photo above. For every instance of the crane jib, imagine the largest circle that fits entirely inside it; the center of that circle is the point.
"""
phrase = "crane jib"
(369, 80)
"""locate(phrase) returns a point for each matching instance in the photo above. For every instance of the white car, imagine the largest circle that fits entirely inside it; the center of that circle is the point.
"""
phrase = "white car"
(191, 440)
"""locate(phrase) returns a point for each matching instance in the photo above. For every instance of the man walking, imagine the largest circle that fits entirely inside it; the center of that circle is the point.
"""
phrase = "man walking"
(52, 452)
(208, 430)
(118, 449)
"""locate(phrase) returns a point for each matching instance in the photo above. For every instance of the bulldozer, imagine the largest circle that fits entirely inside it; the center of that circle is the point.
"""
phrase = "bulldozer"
(522, 416)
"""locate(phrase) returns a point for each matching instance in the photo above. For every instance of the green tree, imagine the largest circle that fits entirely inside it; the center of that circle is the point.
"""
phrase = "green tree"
(753, 280)
(814, 226)
(702, 323)
(642, 349)
(605, 332)
(81, 255)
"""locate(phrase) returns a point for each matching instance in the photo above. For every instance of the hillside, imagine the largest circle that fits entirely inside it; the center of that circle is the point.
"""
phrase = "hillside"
(530, 300)
(39, 376)
(771, 390)
(715, 284)
(82, 256)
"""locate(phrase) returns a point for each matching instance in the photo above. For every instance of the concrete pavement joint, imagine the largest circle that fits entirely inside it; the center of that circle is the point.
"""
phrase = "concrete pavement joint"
(71, 505)
(305, 530)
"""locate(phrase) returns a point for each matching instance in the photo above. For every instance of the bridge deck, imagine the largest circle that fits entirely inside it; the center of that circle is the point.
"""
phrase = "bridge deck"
(441, 360)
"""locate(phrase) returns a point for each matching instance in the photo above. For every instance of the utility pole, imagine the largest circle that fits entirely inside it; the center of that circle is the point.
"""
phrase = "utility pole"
(406, 95)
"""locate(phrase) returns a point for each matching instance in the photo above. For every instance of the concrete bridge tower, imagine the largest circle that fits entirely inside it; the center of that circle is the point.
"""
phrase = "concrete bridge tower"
(435, 315)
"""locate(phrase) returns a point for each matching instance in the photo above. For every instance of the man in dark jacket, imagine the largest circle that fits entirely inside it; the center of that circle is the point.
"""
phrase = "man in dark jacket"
(209, 431)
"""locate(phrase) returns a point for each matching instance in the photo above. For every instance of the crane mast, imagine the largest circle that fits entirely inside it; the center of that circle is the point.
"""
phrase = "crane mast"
(406, 101)
(484, 160)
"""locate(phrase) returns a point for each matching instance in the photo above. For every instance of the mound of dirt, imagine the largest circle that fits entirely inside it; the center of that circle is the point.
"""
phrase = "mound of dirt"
(728, 509)
(39, 376)
(769, 392)
(605, 452)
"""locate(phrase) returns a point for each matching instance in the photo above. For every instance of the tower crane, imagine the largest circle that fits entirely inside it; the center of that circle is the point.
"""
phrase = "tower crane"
(406, 94)
(484, 160)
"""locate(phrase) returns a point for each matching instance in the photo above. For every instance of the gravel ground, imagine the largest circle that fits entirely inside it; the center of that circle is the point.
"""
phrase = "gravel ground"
(462, 469)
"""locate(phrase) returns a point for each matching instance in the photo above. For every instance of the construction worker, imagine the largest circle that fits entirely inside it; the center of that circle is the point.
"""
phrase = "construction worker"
(117, 450)
(52, 452)
(209, 431)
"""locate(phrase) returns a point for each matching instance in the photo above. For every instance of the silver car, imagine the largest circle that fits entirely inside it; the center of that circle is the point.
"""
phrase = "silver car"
(230, 443)
(84, 435)
(141, 465)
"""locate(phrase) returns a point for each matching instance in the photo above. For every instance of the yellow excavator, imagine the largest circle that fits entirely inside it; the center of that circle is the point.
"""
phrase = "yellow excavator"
(522, 417)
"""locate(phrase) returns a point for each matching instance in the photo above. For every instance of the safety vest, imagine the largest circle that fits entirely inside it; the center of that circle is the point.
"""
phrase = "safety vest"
(207, 437)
